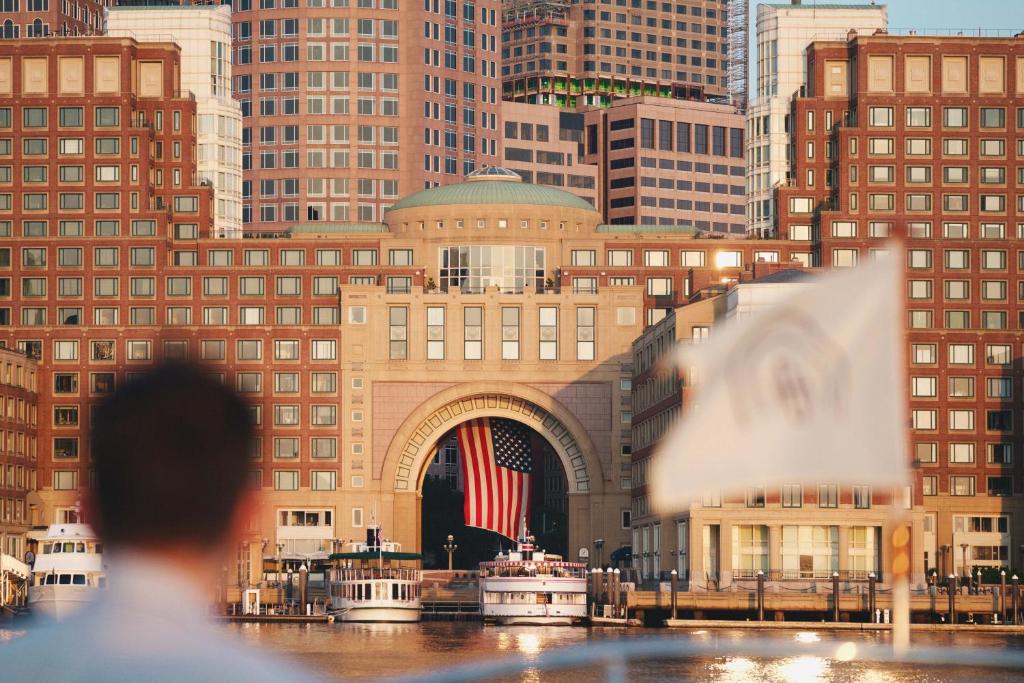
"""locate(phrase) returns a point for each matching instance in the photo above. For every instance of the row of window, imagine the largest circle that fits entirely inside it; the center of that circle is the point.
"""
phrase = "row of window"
(960, 290)
(959, 230)
(75, 201)
(962, 419)
(473, 333)
(963, 453)
(37, 256)
(246, 350)
(965, 485)
(998, 355)
(921, 117)
(284, 480)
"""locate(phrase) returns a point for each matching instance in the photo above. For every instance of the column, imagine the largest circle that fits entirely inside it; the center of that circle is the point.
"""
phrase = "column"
(844, 549)
(774, 550)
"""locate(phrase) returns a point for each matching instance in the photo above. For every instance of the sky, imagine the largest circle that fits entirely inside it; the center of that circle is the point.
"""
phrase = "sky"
(937, 15)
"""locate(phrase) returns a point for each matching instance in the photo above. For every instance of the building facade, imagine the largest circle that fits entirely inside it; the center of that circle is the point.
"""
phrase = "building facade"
(783, 33)
(795, 533)
(544, 145)
(669, 163)
(42, 18)
(203, 32)
(920, 136)
(326, 136)
(574, 54)
(18, 453)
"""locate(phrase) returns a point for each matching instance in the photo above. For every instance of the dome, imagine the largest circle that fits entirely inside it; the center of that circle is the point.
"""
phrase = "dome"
(493, 185)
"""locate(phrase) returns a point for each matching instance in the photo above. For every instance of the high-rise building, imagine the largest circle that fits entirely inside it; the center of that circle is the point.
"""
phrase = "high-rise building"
(40, 18)
(326, 137)
(544, 145)
(203, 32)
(576, 54)
(784, 31)
(669, 162)
(921, 136)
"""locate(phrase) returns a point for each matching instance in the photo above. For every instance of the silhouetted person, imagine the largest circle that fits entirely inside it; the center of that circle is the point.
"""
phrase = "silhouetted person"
(170, 502)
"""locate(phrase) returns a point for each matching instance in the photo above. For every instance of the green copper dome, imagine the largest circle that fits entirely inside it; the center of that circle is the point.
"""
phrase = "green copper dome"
(493, 185)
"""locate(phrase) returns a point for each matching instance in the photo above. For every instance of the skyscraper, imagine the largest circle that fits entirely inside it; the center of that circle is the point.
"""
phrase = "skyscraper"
(784, 31)
(575, 54)
(326, 136)
(204, 34)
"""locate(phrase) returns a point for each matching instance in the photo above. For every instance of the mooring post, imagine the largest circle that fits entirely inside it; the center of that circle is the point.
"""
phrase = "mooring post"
(616, 602)
(951, 589)
(1002, 595)
(760, 595)
(1016, 599)
(871, 596)
(675, 593)
(835, 596)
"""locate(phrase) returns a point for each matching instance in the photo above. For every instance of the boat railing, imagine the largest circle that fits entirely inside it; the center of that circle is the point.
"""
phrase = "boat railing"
(376, 573)
(613, 658)
(526, 570)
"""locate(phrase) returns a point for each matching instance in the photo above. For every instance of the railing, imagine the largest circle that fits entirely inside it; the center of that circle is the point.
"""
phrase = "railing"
(375, 573)
(613, 657)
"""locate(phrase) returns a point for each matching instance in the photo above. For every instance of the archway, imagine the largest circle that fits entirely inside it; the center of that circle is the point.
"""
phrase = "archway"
(414, 444)
(443, 499)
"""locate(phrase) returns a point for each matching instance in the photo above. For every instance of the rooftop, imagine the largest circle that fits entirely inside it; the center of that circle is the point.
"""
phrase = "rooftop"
(336, 228)
(630, 228)
(783, 276)
(493, 185)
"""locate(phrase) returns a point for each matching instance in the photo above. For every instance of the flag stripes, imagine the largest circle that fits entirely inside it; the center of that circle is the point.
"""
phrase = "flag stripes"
(496, 467)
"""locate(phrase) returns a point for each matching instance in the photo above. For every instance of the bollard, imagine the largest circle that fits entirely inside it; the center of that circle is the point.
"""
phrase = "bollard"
(599, 591)
(617, 588)
(951, 589)
(1016, 598)
(1002, 595)
(593, 591)
(835, 596)
(760, 595)
(303, 588)
(675, 592)
(871, 595)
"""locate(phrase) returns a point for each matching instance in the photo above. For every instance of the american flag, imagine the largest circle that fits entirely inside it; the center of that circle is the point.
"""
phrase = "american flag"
(496, 464)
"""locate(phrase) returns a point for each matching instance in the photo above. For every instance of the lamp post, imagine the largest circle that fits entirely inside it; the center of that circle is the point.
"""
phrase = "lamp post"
(942, 560)
(450, 547)
(1002, 595)
(598, 545)
(977, 586)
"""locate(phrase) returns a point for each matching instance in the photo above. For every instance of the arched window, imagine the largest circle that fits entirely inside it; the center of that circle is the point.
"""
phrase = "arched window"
(9, 29)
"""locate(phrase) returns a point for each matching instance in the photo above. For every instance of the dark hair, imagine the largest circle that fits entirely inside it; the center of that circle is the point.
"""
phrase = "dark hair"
(170, 449)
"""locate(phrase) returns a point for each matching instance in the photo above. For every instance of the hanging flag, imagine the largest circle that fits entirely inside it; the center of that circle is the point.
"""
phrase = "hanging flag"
(496, 465)
(810, 389)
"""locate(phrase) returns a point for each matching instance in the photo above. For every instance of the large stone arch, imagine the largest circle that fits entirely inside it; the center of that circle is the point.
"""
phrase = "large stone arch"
(413, 444)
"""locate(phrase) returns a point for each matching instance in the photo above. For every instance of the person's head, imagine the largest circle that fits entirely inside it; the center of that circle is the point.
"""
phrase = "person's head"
(170, 450)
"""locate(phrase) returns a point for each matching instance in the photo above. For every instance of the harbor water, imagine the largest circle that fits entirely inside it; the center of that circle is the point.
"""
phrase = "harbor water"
(370, 651)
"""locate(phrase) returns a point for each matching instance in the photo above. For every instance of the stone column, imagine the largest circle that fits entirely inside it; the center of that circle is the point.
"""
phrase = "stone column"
(774, 550)
(844, 549)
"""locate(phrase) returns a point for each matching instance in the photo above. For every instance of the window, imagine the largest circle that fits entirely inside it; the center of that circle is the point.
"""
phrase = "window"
(398, 324)
(792, 495)
(584, 257)
(961, 486)
(473, 333)
(286, 480)
(828, 495)
(586, 325)
(509, 333)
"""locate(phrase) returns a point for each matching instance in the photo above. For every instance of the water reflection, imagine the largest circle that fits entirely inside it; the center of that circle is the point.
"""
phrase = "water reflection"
(371, 651)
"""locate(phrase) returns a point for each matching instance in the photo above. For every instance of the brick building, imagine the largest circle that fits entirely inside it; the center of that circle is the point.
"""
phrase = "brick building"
(18, 450)
(795, 533)
(326, 136)
(576, 54)
(920, 135)
(669, 163)
(40, 18)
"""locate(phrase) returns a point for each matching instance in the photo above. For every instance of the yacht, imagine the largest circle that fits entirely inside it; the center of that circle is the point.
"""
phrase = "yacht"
(68, 571)
(371, 581)
(530, 586)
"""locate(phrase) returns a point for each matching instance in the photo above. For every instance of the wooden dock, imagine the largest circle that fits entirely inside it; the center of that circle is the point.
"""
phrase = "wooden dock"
(279, 618)
(451, 610)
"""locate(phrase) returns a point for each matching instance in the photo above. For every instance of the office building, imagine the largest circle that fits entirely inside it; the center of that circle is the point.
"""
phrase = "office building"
(669, 163)
(326, 136)
(576, 54)
(203, 32)
(784, 30)
(544, 145)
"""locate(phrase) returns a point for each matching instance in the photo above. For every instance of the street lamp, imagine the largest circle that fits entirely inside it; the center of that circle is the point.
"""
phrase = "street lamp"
(942, 560)
(451, 547)
(965, 571)
(598, 545)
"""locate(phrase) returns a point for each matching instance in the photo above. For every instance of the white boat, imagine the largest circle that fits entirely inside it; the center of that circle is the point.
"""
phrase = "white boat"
(369, 583)
(530, 586)
(68, 571)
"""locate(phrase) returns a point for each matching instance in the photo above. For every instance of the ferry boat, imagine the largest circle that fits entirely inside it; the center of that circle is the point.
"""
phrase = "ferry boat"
(530, 586)
(68, 571)
(368, 582)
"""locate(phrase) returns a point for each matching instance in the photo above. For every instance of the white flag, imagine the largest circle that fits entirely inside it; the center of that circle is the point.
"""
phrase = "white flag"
(807, 390)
